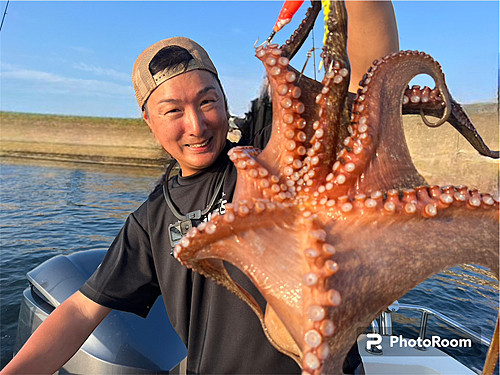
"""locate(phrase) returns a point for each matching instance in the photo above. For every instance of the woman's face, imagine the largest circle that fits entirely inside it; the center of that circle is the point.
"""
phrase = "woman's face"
(187, 114)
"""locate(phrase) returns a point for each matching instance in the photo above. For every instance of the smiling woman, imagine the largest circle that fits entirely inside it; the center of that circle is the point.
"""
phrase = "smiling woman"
(183, 102)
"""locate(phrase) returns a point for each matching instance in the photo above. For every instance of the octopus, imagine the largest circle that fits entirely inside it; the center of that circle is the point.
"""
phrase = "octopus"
(332, 221)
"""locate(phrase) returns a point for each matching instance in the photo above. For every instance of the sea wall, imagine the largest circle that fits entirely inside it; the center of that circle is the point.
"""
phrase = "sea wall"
(80, 139)
(444, 157)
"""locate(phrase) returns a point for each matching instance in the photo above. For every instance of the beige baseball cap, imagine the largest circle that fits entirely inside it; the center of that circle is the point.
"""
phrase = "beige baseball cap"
(145, 83)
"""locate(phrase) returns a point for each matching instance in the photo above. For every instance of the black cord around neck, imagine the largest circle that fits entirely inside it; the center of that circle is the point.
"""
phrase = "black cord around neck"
(171, 204)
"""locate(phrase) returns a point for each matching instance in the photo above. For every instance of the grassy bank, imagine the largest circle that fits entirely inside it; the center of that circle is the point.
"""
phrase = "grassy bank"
(441, 154)
(83, 139)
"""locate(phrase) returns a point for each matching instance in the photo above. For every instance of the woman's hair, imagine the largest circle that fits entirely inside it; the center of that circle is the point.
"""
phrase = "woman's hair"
(170, 57)
(174, 57)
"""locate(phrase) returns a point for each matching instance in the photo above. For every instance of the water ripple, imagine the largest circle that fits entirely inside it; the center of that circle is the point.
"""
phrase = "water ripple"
(47, 210)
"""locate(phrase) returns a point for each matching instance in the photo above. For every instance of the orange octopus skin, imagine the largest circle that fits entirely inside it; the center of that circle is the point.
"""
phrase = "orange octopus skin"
(333, 229)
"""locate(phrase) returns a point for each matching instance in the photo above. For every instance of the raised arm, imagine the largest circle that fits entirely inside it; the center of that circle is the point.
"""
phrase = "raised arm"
(373, 33)
(59, 337)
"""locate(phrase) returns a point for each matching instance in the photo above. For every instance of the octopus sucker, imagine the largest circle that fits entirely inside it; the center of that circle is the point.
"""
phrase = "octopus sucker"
(332, 221)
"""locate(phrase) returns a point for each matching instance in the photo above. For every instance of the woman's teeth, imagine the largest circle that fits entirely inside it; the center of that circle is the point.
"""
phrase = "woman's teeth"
(200, 144)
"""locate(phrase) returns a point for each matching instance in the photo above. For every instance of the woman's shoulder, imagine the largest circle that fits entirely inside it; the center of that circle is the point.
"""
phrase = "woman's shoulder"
(151, 204)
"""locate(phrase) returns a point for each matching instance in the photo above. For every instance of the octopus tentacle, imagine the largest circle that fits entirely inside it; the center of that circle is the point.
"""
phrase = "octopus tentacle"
(255, 218)
(441, 121)
(288, 110)
(333, 98)
(321, 153)
(386, 81)
(429, 102)
(317, 297)
(258, 181)
(356, 258)
(335, 48)
(293, 44)
(251, 226)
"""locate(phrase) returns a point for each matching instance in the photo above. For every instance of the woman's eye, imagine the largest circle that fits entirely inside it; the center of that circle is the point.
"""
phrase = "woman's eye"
(174, 110)
(209, 102)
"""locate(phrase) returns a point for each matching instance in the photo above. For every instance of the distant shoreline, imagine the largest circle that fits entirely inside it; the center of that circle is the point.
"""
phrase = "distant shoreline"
(110, 141)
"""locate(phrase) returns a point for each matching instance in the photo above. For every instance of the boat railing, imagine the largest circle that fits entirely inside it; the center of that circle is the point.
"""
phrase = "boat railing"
(384, 324)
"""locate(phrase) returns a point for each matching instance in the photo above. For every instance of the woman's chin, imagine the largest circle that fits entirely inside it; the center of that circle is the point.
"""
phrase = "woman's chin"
(198, 163)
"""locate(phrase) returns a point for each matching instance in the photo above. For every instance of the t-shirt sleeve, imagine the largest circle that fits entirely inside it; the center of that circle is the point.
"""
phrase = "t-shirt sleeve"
(126, 279)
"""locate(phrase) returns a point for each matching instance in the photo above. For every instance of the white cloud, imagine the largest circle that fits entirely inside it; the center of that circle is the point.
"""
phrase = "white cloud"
(102, 71)
(58, 83)
(84, 50)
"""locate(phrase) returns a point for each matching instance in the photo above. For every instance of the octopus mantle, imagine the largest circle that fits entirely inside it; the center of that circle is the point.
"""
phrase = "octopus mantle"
(331, 221)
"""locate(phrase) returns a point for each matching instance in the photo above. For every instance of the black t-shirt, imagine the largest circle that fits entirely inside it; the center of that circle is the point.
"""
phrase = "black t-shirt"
(222, 334)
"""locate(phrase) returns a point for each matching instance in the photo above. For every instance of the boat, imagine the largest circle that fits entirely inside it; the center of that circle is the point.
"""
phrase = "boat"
(125, 343)
(384, 353)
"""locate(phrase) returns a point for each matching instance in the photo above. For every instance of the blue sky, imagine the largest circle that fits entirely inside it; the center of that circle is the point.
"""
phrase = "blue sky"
(76, 57)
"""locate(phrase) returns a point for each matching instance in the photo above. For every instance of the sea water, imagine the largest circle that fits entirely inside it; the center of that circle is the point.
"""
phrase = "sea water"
(48, 209)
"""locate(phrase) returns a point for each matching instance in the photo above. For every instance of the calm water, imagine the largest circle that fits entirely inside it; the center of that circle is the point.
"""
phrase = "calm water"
(51, 209)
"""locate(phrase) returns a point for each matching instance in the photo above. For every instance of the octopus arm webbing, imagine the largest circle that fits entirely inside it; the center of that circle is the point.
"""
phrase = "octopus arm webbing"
(366, 251)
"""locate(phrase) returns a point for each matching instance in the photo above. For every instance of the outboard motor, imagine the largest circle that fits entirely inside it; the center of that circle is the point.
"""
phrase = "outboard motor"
(123, 343)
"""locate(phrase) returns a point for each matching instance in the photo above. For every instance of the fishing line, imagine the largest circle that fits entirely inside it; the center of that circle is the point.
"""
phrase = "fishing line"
(4, 14)
(314, 54)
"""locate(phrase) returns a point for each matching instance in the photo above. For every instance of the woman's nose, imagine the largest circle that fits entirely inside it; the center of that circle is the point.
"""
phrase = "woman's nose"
(196, 124)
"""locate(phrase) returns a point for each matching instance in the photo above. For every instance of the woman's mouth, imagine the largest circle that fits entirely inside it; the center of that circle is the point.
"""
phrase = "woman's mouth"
(199, 145)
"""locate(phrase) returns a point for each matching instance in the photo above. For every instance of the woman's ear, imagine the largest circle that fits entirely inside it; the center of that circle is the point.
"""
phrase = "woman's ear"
(145, 116)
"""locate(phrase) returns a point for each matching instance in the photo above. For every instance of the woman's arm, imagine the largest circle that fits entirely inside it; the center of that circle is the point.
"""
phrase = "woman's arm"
(373, 33)
(59, 337)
